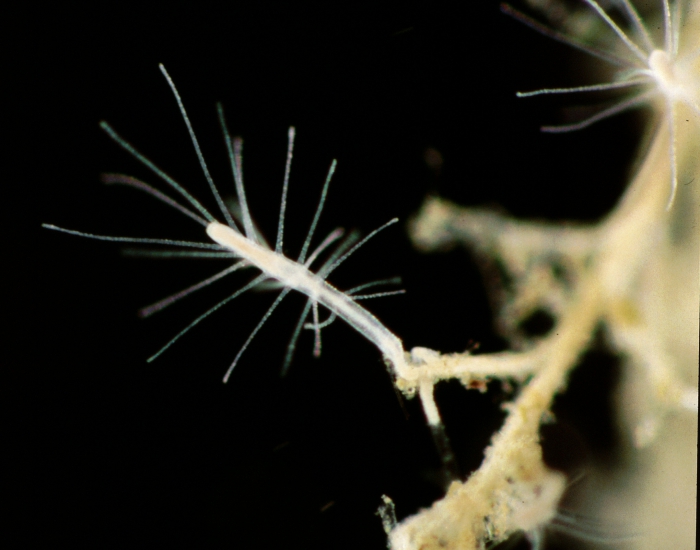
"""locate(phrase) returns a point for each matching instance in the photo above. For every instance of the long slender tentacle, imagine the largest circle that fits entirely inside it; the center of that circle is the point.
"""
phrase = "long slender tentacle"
(197, 148)
(180, 254)
(168, 242)
(151, 166)
(327, 271)
(641, 28)
(389, 281)
(206, 314)
(138, 184)
(317, 214)
(623, 36)
(606, 113)
(344, 245)
(285, 187)
(234, 153)
(378, 294)
(591, 88)
(295, 336)
(330, 239)
(255, 331)
(165, 302)
(563, 38)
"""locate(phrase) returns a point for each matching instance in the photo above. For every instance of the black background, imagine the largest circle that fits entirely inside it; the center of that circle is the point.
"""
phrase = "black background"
(111, 451)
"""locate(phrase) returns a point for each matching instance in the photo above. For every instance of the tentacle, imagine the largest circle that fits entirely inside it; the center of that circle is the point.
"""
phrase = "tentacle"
(255, 331)
(197, 148)
(167, 242)
(295, 336)
(317, 331)
(160, 173)
(564, 39)
(165, 302)
(634, 16)
(626, 39)
(336, 264)
(285, 187)
(606, 113)
(204, 315)
(138, 184)
(234, 155)
(180, 254)
(590, 88)
(330, 239)
(317, 215)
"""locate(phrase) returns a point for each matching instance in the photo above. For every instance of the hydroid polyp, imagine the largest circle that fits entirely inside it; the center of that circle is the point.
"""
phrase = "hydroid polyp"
(666, 74)
(236, 239)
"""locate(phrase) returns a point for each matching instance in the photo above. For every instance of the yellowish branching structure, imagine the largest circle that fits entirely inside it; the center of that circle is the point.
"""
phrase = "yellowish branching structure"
(635, 273)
